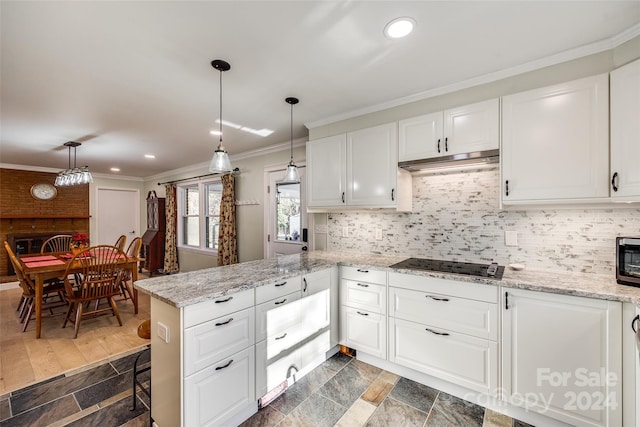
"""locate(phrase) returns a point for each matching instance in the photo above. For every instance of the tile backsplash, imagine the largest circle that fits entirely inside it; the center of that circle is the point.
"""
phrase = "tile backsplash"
(456, 216)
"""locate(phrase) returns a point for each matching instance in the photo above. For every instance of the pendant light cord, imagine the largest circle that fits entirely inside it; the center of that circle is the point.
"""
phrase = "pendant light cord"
(291, 133)
(220, 107)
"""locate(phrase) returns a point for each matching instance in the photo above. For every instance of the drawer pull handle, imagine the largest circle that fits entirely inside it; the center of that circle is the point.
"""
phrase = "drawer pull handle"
(225, 323)
(304, 279)
(362, 271)
(277, 285)
(225, 366)
(614, 184)
(633, 323)
(362, 285)
(279, 338)
(362, 314)
(223, 300)
(436, 298)
(280, 302)
(437, 333)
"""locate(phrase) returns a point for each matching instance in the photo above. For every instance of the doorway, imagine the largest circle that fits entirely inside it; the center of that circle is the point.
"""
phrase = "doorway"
(286, 219)
(117, 213)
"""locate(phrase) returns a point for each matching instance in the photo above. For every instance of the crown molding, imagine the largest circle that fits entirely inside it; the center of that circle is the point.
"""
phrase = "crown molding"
(568, 55)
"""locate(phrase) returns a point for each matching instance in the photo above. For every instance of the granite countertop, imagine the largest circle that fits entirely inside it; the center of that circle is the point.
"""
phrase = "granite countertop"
(184, 289)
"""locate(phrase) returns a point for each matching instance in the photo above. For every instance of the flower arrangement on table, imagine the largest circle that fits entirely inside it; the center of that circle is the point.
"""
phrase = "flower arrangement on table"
(79, 242)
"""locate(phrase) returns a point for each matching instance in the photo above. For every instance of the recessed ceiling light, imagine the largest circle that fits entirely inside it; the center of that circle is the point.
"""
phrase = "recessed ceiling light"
(215, 132)
(115, 169)
(150, 156)
(399, 27)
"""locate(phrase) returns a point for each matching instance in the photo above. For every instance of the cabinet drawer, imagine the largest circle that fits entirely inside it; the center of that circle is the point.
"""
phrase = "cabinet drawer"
(364, 275)
(275, 316)
(209, 342)
(463, 360)
(270, 374)
(367, 296)
(277, 289)
(467, 290)
(207, 310)
(476, 318)
(217, 393)
(364, 331)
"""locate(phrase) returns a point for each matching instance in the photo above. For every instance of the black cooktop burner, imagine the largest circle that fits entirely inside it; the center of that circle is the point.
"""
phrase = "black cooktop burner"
(467, 268)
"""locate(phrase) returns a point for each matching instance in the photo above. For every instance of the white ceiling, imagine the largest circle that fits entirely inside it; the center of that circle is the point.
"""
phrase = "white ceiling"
(131, 78)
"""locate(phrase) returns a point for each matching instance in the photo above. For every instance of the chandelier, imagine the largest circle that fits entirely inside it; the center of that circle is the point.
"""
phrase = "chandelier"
(73, 175)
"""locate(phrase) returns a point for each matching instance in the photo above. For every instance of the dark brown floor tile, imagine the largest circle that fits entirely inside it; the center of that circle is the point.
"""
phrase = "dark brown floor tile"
(104, 390)
(55, 389)
(392, 412)
(5, 409)
(45, 414)
(125, 364)
(115, 414)
(450, 411)
(265, 417)
(32, 386)
(317, 411)
(139, 421)
(414, 394)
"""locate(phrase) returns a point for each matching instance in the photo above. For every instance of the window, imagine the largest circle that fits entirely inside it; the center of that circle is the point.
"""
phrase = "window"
(199, 210)
(288, 212)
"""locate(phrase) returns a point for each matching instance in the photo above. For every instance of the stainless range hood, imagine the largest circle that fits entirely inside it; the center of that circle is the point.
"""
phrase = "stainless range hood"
(463, 159)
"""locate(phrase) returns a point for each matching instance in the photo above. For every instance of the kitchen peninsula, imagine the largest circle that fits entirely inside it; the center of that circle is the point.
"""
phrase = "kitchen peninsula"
(204, 376)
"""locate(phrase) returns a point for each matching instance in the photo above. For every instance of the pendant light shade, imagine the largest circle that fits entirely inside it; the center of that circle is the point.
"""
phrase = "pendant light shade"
(74, 175)
(220, 162)
(291, 176)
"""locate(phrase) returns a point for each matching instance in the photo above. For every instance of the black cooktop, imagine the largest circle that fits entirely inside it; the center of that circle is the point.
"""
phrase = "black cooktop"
(466, 268)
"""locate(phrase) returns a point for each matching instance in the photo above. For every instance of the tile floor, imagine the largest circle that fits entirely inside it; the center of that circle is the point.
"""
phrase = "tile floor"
(98, 396)
(343, 391)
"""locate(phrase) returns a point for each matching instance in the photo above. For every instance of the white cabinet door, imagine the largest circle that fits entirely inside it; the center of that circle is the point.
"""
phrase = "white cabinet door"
(561, 356)
(365, 331)
(316, 282)
(555, 142)
(372, 166)
(461, 359)
(625, 132)
(326, 171)
(465, 129)
(420, 137)
(276, 316)
(471, 128)
(217, 393)
(363, 295)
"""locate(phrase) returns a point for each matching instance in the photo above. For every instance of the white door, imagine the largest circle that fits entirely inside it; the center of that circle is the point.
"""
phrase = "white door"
(286, 215)
(117, 213)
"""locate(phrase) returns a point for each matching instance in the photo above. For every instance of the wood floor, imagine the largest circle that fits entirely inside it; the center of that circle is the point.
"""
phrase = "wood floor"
(25, 360)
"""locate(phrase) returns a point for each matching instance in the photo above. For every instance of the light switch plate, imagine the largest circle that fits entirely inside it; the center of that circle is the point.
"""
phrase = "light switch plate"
(378, 233)
(345, 231)
(511, 238)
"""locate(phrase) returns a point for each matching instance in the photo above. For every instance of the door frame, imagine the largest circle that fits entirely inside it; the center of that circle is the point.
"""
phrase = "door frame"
(95, 215)
(267, 203)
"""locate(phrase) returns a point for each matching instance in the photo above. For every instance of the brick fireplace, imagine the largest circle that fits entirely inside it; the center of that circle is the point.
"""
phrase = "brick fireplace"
(26, 222)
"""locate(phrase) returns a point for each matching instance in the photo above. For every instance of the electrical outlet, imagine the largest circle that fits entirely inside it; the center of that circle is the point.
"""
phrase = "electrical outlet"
(378, 233)
(345, 231)
(163, 332)
(511, 238)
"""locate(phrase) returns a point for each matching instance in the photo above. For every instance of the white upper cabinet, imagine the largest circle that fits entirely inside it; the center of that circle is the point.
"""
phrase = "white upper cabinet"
(372, 156)
(326, 171)
(555, 142)
(358, 169)
(465, 129)
(625, 132)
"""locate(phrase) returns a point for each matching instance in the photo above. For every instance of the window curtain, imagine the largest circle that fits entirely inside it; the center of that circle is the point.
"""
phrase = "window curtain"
(171, 236)
(227, 243)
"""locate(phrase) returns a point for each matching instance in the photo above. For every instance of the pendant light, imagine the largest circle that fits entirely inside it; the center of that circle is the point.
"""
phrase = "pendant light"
(220, 162)
(76, 175)
(291, 176)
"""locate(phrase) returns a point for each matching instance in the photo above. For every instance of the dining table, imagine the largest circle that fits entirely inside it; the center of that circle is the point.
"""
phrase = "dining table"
(51, 265)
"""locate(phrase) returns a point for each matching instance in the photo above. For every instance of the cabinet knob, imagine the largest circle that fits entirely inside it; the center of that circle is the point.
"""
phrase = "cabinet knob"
(614, 181)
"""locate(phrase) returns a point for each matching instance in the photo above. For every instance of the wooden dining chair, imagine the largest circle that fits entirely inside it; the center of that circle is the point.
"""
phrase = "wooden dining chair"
(122, 240)
(58, 243)
(126, 284)
(27, 302)
(101, 275)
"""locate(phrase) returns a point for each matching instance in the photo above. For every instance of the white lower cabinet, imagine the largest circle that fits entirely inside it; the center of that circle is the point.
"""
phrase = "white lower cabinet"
(631, 364)
(216, 393)
(461, 359)
(561, 356)
(364, 330)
